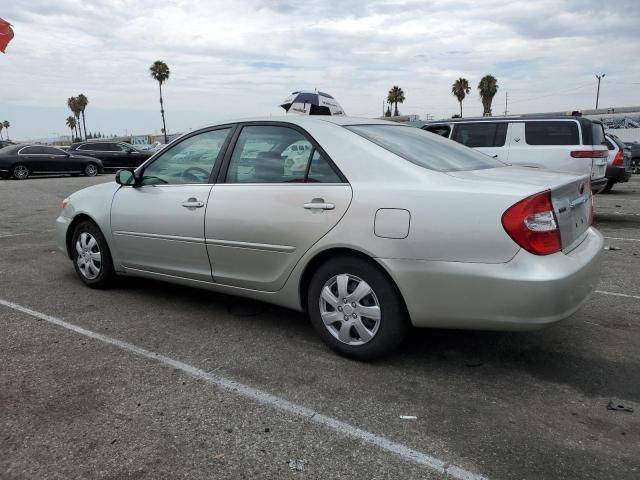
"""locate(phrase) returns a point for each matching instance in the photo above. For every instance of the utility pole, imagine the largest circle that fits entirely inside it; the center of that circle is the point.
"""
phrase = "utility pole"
(383, 107)
(599, 77)
(429, 116)
(506, 104)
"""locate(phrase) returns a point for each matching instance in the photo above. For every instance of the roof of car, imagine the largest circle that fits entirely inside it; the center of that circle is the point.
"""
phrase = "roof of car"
(509, 118)
(307, 120)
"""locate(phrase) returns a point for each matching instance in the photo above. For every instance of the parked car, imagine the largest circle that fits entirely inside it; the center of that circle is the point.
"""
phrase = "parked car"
(618, 162)
(635, 156)
(23, 160)
(114, 155)
(563, 144)
(6, 143)
(388, 226)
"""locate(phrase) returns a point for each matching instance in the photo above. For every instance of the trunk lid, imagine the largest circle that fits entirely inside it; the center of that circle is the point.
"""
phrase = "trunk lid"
(570, 194)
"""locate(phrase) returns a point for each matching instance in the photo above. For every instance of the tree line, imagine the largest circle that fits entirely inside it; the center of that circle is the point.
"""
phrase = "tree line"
(487, 89)
(159, 71)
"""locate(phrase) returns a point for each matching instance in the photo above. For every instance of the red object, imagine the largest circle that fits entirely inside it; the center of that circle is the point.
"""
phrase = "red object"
(590, 154)
(6, 34)
(618, 160)
(531, 223)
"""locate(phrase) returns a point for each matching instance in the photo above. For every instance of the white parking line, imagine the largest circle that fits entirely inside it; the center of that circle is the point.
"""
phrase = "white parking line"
(637, 297)
(266, 398)
(623, 239)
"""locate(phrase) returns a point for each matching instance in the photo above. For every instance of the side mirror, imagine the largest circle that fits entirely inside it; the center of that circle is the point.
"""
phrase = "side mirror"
(126, 177)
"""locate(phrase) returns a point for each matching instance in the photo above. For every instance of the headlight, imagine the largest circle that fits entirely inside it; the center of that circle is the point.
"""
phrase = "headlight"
(65, 202)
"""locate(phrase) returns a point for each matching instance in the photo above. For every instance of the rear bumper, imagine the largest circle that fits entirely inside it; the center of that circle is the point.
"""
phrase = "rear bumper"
(618, 174)
(526, 293)
(598, 184)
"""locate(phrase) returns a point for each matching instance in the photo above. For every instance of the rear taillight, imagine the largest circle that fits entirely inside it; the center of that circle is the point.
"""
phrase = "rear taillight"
(618, 160)
(590, 153)
(531, 223)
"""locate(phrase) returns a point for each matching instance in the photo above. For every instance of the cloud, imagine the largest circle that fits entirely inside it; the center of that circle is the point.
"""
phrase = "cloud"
(241, 58)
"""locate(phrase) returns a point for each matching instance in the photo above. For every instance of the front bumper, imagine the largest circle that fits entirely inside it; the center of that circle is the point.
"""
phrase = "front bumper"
(598, 184)
(62, 225)
(617, 174)
(526, 293)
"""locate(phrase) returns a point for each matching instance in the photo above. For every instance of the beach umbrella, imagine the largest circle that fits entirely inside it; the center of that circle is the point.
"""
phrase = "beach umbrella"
(6, 34)
(312, 103)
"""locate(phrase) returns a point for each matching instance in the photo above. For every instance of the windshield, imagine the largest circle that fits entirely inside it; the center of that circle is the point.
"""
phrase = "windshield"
(425, 149)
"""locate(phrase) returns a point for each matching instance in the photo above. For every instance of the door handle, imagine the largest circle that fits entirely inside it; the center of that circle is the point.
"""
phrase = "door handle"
(193, 203)
(319, 206)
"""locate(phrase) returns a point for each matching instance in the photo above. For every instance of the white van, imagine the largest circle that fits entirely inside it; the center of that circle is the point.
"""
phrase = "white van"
(563, 144)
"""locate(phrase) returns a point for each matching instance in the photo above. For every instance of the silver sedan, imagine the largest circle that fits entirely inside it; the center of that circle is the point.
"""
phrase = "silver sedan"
(383, 227)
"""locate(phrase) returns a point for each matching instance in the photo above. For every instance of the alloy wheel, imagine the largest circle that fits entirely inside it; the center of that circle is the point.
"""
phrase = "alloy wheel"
(89, 259)
(350, 309)
(91, 170)
(20, 172)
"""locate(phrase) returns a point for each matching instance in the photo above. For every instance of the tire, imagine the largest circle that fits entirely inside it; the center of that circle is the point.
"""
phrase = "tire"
(20, 171)
(95, 272)
(352, 333)
(91, 169)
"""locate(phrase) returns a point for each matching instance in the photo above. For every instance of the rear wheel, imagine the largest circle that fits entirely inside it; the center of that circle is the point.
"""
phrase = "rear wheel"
(91, 257)
(91, 170)
(20, 171)
(356, 309)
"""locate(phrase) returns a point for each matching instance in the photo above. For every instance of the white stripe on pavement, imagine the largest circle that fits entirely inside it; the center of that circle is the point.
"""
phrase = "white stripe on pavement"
(403, 451)
(637, 297)
(623, 239)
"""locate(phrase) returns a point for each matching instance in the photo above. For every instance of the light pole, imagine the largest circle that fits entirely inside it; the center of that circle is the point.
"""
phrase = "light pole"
(599, 77)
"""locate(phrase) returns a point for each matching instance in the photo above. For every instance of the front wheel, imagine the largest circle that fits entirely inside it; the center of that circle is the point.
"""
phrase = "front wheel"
(356, 309)
(91, 170)
(91, 257)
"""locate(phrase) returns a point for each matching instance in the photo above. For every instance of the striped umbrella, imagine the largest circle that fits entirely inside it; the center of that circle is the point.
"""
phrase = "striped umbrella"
(312, 103)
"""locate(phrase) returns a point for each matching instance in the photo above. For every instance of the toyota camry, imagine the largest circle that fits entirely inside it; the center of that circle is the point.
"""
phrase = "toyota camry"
(386, 227)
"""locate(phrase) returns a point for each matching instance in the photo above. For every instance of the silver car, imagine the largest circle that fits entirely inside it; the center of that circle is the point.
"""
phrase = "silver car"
(388, 226)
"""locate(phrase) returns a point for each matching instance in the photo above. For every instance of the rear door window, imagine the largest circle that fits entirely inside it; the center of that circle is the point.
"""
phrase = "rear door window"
(92, 147)
(32, 151)
(481, 134)
(553, 133)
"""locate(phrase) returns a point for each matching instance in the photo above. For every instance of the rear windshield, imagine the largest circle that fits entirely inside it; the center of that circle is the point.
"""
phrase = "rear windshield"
(598, 133)
(424, 148)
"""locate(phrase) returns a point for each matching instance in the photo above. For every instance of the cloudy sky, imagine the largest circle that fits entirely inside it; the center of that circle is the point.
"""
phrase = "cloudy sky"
(240, 58)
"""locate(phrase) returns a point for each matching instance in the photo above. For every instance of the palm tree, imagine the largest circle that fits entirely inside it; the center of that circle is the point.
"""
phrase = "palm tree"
(6, 125)
(394, 97)
(460, 89)
(83, 101)
(160, 73)
(74, 106)
(71, 123)
(488, 87)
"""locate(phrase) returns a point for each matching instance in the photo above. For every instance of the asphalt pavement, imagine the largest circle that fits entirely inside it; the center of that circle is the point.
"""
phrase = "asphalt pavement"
(152, 381)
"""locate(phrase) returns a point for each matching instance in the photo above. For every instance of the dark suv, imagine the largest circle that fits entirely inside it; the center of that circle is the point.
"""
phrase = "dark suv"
(635, 156)
(114, 155)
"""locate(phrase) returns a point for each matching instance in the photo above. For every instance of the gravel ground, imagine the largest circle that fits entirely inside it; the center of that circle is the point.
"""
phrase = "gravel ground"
(500, 405)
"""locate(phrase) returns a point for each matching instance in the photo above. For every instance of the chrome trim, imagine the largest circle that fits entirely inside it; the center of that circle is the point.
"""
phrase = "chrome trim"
(156, 236)
(252, 246)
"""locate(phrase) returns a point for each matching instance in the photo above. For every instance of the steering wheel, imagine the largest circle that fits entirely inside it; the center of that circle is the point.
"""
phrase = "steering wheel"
(192, 173)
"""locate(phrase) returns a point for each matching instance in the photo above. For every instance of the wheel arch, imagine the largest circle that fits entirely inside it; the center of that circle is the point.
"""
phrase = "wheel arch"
(323, 256)
(79, 218)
